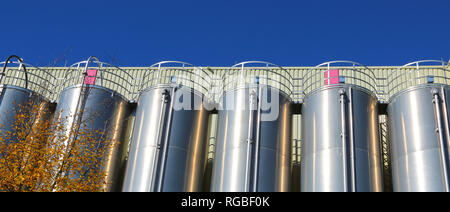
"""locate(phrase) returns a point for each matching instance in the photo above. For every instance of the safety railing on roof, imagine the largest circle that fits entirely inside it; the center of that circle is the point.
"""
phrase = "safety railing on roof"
(260, 72)
(382, 89)
(336, 73)
(101, 74)
(418, 73)
(37, 80)
(295, 82)
(179, 73)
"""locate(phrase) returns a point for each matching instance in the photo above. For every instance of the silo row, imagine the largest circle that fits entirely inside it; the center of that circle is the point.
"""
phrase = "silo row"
(168, 146)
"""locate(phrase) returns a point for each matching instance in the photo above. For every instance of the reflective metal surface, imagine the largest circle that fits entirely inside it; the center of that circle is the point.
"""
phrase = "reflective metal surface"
(98, 108)
(419, 144)
(266, 166)
(25, 92)
(13, 99)
(169, 144)
(340, 146)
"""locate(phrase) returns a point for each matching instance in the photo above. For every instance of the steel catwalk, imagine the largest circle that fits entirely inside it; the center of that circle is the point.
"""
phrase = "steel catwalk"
(253, 154)
(169, 144)
(340, 147)
(418, 121)
(98, 108)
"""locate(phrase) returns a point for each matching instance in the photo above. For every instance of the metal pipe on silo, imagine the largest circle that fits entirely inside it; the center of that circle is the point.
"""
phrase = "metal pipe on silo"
(344, 137)
(440, 131)
(166, 141)
(257, 142)
(352, 142)
(445, 114)
(164, 101)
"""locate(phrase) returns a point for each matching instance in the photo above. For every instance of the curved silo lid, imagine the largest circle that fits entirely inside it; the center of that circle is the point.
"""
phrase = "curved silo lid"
(337, 73)
(418, 73)
(254, 73)
(94, 73)
(16, 73)
(177, 73)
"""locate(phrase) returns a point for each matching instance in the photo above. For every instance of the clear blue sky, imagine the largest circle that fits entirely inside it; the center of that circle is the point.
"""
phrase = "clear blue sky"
(222, 32)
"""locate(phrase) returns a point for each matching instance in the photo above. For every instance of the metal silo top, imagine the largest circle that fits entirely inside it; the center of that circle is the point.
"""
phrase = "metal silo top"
(253, 73)
(169, 73)
(15, 74)
(94, 73)
(417, 74)
(338, 73)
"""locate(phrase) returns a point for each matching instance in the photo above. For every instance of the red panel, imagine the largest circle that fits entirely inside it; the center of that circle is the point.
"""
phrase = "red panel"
(90, 78)
(331, 77)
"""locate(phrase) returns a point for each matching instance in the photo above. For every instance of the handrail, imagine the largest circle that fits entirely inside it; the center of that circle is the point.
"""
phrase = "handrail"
(21, 65)
(342, 61)
(358, 74)
(268, 70)
(44, 83)
(161, 73)
(242, 64)
(77, 73)
(395, 81)
(212, 83)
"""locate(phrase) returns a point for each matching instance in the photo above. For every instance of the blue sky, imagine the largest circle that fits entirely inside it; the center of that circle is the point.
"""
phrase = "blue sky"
(223, 32)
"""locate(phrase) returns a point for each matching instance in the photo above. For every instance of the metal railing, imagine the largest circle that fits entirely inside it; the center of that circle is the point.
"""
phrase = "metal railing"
(263, 73)
(37, 80)
(294, 81)
(297, 95)
(177, 72)
(348, 72)
(107, 76)
(418, 73)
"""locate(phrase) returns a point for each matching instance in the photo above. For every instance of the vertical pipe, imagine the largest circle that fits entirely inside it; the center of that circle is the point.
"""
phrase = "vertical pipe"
(249, 143)
(257, 141)
(445, 113)
(166, 141)
(344, 138)
(439, 129)
(352, 142)
(158, 139)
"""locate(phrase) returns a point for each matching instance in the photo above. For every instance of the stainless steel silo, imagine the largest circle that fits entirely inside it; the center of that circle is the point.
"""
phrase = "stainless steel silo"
(93, 99)
(419, 126)
(253, 148)
(169, 142)
(25, 91)
(340, 145)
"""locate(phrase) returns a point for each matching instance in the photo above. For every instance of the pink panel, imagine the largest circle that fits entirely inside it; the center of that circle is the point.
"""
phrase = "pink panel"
(90, 78)
(331, 77)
